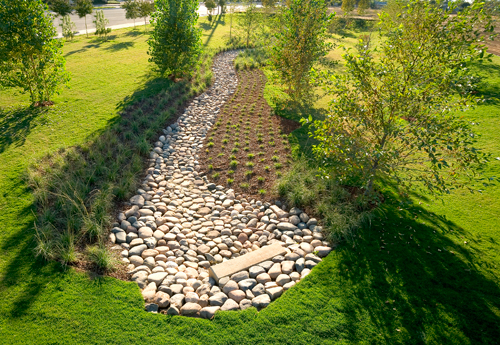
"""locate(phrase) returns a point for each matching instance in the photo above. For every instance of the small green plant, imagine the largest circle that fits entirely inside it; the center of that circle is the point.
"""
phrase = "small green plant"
(244, 185)
(232, 157)
(261, 179)
(230, 172)
(246, 149)
(215, 176)
(220, 155)
(261, 153)
(225, 141)
(234, 150)
(233, 164)
(210, 167)
(210, 144)
(248, 173)
(267, 168)
(250, 156)
(230, 180)
(275, 158)
(277, 165)
(249, 164)
(262, 191)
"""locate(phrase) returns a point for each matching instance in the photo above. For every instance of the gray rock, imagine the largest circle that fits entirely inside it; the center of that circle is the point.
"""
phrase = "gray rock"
(162, 299)
(288, 285)
(310, 264)
(230, 304)
(190, 309)
(266, 265)
(282, 279)
(247, 284)
(255, 271)
(137, 250)
(151, 307)
(292, 257)
(218, 299)
(299, 264)
(261, 301)
(137, 200)
(275, 292)
(177, 300)
(173, 310)
(323, 251)
(157, 278)
(245, 304)
(208, 312)
(287, 267)
(237, 295)
(258, 290)
(237, 277)
(275, 271)
(121, 237)
(285, 226)
(230, 286)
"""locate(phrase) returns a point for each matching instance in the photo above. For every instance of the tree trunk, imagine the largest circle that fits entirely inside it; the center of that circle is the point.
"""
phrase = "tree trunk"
(145, 24)
(86, 26)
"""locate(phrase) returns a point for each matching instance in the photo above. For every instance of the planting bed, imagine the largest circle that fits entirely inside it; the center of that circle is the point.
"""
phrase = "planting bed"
(247, 148)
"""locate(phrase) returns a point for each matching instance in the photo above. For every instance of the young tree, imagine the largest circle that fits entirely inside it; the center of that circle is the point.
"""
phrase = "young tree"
(348, 6)
(83, 8)
(222, 6)
(60, 7)
(210, 5)
(30, 57)
(100, 24)
(68, 27)
(392, 115)
(249, 20)
(145, 7)
(131, 9)
(175, 43)
(363, 5)
(299, 42)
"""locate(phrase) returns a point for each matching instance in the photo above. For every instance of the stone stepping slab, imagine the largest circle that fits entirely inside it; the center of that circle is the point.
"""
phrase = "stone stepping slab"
(244, 262)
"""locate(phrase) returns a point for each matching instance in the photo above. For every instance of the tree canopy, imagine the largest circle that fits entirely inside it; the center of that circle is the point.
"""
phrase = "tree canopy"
(393, 115)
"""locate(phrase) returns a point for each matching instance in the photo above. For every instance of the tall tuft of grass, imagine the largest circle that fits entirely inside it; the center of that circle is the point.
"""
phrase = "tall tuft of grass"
(340, 212)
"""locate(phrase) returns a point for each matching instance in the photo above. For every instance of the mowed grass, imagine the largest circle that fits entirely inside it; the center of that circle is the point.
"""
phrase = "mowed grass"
(399, 284)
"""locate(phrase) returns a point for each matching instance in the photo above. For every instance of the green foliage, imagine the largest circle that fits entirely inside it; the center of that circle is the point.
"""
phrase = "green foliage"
(175, 43)
(101, 258)
(30, 57)
(363, 5)
(341, 214)
(299, 41)
(248, 21)
(391, 116)
(348, 6)
(60, 7)
(145, 8)
(131, 9)
(68, 27)
(100, 24)
(83, 8)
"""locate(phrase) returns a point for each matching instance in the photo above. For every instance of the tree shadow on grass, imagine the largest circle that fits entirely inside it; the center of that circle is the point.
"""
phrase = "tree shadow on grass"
(149, 109)
(17, 123)
(120, 46)
(417, 283)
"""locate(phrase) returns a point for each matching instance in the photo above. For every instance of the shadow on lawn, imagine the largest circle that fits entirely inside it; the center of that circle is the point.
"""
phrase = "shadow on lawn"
(115, 156)
(17, 123)
(417, 284)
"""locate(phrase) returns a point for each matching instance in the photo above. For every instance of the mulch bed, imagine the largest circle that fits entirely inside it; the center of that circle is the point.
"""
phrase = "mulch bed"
(246, 126)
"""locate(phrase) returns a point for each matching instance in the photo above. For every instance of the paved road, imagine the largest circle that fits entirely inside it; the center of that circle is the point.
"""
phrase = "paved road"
(116, 17)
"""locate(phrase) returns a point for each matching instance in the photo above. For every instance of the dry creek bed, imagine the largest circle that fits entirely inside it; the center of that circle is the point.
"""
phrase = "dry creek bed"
(179, 224)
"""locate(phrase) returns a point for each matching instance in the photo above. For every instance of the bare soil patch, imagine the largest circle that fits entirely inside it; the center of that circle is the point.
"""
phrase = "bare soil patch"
(247, 148)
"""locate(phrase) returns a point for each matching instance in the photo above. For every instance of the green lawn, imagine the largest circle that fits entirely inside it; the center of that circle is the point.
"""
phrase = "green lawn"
(400, 284)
